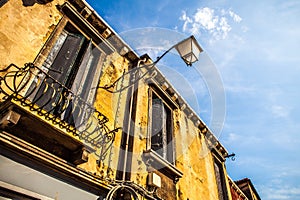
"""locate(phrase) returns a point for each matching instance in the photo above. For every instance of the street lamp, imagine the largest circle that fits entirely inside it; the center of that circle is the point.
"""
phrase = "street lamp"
(188, 49)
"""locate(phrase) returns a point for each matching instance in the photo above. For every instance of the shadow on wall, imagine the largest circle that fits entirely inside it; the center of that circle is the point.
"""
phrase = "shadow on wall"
(32, 2)
(27, 2)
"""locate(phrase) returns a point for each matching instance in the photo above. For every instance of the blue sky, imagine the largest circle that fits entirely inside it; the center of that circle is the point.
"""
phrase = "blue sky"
(254, 46)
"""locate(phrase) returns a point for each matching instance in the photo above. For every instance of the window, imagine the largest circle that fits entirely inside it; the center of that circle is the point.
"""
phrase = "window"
(160, 152)
(161, 127)
(220, 179)
(73, 64)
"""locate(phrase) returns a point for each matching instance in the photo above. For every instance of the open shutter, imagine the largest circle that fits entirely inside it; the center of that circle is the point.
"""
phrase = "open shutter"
(50, 94)
(164, 132)
(169, 136)
(83, 70)
(74, 113)
(78, 111)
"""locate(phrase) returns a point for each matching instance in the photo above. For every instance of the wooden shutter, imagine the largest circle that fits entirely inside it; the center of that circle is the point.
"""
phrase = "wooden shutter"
(78, 109)
(164, 132)
(157, 125)
(61, 69)
(161, 130)
(169, 130)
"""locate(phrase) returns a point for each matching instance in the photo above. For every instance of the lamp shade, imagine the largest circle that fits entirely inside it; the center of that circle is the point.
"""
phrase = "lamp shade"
(189, 50)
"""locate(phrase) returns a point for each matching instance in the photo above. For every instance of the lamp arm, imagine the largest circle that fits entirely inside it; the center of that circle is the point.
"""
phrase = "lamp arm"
(160, 57)
(107, 88)
(135, 70)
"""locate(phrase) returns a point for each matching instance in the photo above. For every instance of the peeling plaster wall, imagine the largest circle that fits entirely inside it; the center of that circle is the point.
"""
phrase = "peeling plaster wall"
(20, 42)
(193, 157)
(196, 165)
(24, 32)
(139, 171)
(195, 161)
(112, 105)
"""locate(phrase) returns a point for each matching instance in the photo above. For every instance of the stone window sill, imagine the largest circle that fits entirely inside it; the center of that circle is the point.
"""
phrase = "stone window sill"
(155, 161)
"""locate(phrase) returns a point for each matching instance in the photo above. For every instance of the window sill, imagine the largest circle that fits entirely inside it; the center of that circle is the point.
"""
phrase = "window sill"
(153, 160)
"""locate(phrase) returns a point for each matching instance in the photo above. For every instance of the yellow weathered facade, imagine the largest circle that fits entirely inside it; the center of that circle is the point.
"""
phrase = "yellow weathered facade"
(80, 107)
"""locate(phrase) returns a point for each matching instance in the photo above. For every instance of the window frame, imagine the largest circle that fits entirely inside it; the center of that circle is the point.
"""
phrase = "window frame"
(151, 158)
(221, 183)
(66, 29)
(170, 132)
(86, 28)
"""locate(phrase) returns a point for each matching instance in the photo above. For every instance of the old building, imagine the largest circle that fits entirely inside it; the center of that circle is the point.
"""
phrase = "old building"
(236, 192)
(84, 117)
(248, 189)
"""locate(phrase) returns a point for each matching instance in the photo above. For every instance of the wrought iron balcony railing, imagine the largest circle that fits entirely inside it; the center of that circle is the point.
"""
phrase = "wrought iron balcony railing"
(35, 89)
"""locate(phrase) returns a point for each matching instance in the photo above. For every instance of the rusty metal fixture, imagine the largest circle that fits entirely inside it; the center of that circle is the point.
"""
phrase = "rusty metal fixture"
(130, 190)
(35, 89)
(124, 192)
(231, 156)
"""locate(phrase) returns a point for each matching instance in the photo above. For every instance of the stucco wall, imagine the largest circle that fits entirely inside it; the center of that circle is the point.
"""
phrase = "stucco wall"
(193, 157)
(112, 105)
(20, 42)
(25, 32)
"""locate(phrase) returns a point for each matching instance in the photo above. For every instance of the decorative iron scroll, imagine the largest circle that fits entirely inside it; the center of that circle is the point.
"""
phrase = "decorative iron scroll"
(36, 89)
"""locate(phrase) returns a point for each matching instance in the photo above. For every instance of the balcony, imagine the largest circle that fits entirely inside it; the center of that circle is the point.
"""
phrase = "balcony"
(38, 109)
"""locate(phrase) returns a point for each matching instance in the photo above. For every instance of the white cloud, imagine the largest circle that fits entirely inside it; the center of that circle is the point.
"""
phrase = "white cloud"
(224, 27)
(239, 88)
(234, 138)
(206, 18)
(214, 22)
(280, 111)
(280, 193)
(235, 17)
(245, 29)
(186, 20)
